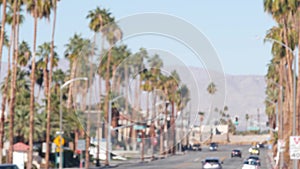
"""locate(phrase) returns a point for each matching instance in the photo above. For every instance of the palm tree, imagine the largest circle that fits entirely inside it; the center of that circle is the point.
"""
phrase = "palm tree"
(113, 34)
(52, 57)
(13, 83)
(247, 119)
(201, 116)
(174, 82)
(98, 19)
(38, 9)
(44, 53)
(74, 54)
(211, 89)
(2, 116)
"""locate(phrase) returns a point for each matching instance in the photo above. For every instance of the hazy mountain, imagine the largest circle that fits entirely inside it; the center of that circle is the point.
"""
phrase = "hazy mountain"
(242, 94)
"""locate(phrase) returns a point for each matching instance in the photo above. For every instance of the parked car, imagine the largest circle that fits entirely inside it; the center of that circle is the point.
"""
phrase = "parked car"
(8, 166)
(213, 146)
(196, 147)
(236, 153)
(212, 163)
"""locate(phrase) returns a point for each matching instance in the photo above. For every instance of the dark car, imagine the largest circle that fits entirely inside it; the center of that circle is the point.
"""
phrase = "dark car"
(256, 158)
(196, 147)
(236, 153)
(213, 147)
(8, 166)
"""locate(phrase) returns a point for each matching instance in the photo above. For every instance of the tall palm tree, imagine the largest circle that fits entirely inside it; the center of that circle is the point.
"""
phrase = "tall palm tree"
(2, 116)
(13, 83)
(44, 53)
(279, 72)
(173, 84)
(38, 9)
(113, 34)
(52, 57)
(247, 119)
(98, 19)
(211, 89)
(74, 54)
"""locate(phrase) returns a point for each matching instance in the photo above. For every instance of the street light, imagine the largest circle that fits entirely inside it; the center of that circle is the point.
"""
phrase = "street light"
(295, 162)
(60, 117)
(108, 147)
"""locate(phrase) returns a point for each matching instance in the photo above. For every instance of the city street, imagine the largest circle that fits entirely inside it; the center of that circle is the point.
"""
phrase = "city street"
(193, 159)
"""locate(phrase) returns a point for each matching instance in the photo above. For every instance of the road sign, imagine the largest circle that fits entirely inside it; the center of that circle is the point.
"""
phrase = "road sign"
(57, 141)
(81, 145)
(295, 147)
(138, 127)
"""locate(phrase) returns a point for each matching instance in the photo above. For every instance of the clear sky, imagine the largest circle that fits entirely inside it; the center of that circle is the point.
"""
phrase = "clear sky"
(230, 25)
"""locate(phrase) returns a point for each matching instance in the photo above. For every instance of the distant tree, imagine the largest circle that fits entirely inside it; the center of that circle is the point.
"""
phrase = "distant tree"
(247, 118)
(211, 89)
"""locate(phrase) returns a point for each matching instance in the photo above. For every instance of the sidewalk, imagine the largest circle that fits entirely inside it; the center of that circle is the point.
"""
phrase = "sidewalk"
(271, 160)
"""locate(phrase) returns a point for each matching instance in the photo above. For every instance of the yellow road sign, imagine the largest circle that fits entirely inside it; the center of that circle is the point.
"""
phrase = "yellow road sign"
(59, 140)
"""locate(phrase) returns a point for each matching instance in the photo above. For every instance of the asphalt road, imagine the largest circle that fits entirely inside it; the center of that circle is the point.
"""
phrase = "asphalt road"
(192, 160)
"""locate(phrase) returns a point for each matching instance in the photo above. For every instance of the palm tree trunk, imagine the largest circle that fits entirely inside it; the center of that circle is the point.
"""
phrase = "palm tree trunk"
(31, 120)
(88, 125)
(298, 82)
(48, 127)
(3, 114)
(107, 88)
(99, 123)
(45, 72)
(173, 142)
(4, 99)
(2, 35)
(126, 105)
(12, 89)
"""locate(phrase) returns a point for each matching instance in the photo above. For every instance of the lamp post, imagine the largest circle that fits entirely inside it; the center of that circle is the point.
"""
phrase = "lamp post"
(108, 146)
(295, 162)
(60, 117)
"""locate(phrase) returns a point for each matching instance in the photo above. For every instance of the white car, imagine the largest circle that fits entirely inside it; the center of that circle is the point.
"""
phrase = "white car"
(251, 164)
(211, 163)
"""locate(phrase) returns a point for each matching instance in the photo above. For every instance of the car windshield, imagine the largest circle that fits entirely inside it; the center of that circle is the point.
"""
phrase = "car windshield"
(8, 167)
(212, 161)
(254, 157)
(251, 162)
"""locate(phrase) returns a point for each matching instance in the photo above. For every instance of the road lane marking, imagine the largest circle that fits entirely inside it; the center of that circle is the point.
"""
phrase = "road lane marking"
(183, 165)
(223, 158)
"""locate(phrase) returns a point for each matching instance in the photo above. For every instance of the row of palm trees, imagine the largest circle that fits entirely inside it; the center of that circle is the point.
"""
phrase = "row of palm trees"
(285, 38)
(116, 65)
